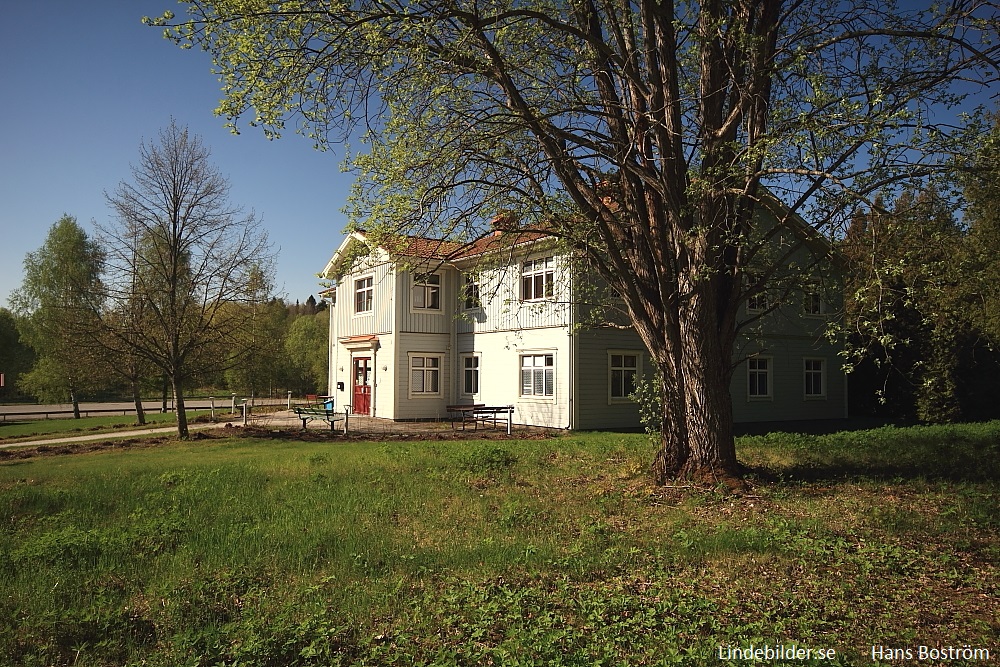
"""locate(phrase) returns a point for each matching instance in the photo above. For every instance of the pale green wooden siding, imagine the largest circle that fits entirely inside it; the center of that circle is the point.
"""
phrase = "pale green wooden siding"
(421, 407)
(788, 401)
(594, 407)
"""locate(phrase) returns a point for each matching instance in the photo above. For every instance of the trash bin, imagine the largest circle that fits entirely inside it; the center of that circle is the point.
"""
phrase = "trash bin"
(329, 403)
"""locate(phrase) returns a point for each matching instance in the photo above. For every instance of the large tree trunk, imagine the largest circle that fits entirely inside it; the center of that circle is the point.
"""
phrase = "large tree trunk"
(697, 431)
(182, 425)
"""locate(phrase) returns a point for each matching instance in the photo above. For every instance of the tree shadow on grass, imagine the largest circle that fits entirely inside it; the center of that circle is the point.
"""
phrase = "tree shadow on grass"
(959, 453)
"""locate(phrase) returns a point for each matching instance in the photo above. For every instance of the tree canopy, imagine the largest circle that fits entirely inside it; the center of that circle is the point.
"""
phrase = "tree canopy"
(61, 281)
(639, 133)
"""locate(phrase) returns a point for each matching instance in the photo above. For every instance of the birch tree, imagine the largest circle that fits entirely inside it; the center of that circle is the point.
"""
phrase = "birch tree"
(640, 133)
(61, 281)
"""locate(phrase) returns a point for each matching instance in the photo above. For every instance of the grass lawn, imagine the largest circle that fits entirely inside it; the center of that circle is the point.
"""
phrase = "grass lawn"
(552, 551)
(27, 429)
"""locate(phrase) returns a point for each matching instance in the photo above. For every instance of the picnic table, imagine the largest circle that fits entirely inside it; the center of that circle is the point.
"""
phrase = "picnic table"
(330, 415)
(480, 413)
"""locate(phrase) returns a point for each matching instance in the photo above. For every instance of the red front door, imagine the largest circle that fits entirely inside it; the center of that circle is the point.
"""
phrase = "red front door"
(362, 386)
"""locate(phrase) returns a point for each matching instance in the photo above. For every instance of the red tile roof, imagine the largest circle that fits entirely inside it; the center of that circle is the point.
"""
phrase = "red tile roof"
(427, 248)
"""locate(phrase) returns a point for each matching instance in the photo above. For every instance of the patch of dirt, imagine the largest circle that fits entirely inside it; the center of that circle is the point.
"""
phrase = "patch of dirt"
(315, 435)
(17, 453)
(229, 431)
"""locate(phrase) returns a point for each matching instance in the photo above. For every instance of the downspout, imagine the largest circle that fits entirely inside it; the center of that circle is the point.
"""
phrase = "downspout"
(847, 399)
(573, 415)
(374, 379)
(456, 372)
(333, 352)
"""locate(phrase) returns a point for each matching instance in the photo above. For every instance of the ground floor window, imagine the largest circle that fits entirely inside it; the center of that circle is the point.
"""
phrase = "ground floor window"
(623, 369)
(470, 374)
(538, 375)
(759, 377)
(425, 375)
(814, 375)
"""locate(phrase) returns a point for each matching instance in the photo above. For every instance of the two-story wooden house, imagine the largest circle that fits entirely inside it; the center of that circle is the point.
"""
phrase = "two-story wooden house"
(425, 324)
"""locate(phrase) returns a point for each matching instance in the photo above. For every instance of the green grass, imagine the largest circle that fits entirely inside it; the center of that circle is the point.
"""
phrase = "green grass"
(10, 431)
(536, 552)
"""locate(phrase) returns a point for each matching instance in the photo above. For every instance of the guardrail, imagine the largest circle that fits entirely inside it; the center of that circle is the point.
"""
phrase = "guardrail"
(222, 405)
(44, 414)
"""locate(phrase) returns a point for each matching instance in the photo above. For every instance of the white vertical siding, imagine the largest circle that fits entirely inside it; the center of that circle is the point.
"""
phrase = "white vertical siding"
(500, 372)
(502, 308)
(380, 319)
(415, 320)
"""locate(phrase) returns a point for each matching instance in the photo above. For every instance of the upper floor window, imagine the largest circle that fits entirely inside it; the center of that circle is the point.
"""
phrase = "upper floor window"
(624, 369)
(538, 279)
(427, 291)
(757, 303)
(538, 375)
(470, 291)
(364, 295)
(813, 304)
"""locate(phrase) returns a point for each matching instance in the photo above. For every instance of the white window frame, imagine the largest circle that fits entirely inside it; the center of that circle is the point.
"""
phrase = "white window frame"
(476, 369)
(535, 271)
(421, 283)
(807, 372)
(360, 289)
(542, 369)
(471, 293)
(754, 370)
(758, 303)
(623, 368)
(808, 303)
(422, 367)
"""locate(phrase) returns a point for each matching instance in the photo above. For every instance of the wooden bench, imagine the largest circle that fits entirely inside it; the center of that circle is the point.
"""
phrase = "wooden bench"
(329, 415)
(464, 413)
(479, 413)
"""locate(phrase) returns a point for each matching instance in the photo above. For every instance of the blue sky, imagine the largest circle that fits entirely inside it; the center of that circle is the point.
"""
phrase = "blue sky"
(84, 83)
